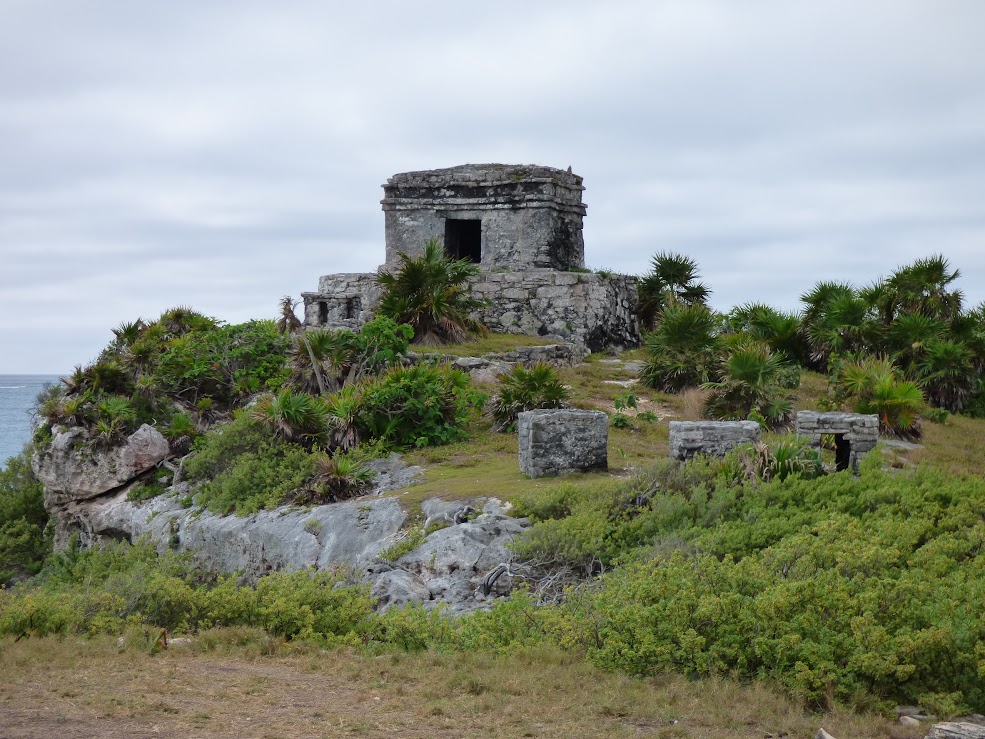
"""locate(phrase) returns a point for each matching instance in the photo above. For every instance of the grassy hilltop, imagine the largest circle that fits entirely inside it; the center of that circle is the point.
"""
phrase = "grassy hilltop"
(761, 594)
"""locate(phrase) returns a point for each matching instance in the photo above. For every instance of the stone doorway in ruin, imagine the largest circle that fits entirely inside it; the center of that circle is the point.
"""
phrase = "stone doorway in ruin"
(463, 239)
(843, 453)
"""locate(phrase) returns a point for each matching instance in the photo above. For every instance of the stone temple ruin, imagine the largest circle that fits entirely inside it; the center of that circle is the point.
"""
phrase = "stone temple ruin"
(523, 226)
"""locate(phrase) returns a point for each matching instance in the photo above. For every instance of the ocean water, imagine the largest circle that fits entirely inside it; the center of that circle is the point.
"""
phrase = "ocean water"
(17, 394)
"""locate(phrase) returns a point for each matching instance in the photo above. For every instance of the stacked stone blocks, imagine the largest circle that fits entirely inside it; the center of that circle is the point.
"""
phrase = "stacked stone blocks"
(554, 442)
(716, 438)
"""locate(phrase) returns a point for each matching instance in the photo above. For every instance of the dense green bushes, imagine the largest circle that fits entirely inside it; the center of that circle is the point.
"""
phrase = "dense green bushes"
(183, 357)
(841, 588)
(110, 588)
(862, 590)
(24, 542)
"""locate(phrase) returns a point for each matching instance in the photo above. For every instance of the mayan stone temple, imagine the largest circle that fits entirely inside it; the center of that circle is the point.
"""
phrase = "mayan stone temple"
(523, 226)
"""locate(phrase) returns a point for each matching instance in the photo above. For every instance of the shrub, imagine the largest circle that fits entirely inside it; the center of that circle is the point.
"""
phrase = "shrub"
(875, 385)
(343, 358)
(673, 280)
(244, 469)
(336, 478)
(24, 539)
(417, 406)
(752, 377)
(523, 389)
(293, 416)
(108, 588)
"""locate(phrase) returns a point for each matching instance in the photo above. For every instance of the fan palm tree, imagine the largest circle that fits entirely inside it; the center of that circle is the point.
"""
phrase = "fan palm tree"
(673, 280)
(923, 287)
(430, 294)
(752, 376)
(682, 349)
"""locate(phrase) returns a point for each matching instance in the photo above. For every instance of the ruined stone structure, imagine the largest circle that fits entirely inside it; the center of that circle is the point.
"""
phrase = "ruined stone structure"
(688, 438)
(553, 442)
(523, 226)
(855, 435)
(496, 215)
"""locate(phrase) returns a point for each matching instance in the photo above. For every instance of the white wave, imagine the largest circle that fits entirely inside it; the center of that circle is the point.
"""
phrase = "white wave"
(12, 387)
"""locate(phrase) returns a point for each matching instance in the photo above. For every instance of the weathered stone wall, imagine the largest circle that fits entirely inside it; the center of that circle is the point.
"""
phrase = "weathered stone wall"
(860, 431)
(553, 442)
(717, 438)
(531, 215)
(343, 300)
(591, 310)
(597, 311)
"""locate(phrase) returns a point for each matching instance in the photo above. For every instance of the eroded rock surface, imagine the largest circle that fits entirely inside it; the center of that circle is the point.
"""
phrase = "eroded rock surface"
(452, 565)
(72, 471)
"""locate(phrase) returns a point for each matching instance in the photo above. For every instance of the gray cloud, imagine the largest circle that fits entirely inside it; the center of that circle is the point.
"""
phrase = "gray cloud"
(224, 154)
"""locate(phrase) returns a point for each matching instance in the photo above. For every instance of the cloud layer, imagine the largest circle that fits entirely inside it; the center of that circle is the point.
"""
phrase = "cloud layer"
(224, 154)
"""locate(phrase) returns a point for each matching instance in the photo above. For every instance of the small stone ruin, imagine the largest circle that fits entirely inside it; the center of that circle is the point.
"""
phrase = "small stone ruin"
(554, 442)
(522, 225)
(689, 438)
(855, 435)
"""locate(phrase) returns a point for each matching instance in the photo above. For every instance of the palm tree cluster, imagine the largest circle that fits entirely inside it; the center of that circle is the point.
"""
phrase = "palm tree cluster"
(896, 348)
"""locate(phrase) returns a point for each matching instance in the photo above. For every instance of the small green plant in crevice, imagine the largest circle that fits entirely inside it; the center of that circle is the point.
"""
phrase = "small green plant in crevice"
(410, 540)
(145, 490)
(336, 478)
(522, 389)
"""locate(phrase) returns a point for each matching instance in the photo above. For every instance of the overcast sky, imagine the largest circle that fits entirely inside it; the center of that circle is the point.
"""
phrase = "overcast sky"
(223, 154)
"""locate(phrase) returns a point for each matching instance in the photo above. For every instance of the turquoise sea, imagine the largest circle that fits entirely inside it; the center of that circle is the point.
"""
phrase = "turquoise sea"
(17, 394)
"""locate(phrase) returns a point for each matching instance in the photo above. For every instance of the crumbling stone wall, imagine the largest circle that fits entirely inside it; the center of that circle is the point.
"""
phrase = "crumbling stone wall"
(717, 438)
(531, 215)
(343, 301)
(855, 434)
(591, 310)
(596, 311)
(553, 442)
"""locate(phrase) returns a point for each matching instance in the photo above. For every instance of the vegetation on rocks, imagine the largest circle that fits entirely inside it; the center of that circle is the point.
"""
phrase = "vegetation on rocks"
(852, 591)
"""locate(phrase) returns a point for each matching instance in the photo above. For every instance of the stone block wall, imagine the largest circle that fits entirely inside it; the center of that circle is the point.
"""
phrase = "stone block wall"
(855, 434)
(591, 310)
(553, 442)
(688, 438)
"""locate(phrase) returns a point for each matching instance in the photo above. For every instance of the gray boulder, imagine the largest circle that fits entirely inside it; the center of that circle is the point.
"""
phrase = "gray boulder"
(71, 471)
(453, 563)
(957, 730)
(349, 534)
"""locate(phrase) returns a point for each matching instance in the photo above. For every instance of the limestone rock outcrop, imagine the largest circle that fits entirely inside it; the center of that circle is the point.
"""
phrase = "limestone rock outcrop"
(71, 471)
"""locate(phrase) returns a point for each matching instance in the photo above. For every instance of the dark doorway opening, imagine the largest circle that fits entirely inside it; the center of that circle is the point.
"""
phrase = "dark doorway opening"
(843, 453)
(352, 307)
(322, 312)
(463, 239)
